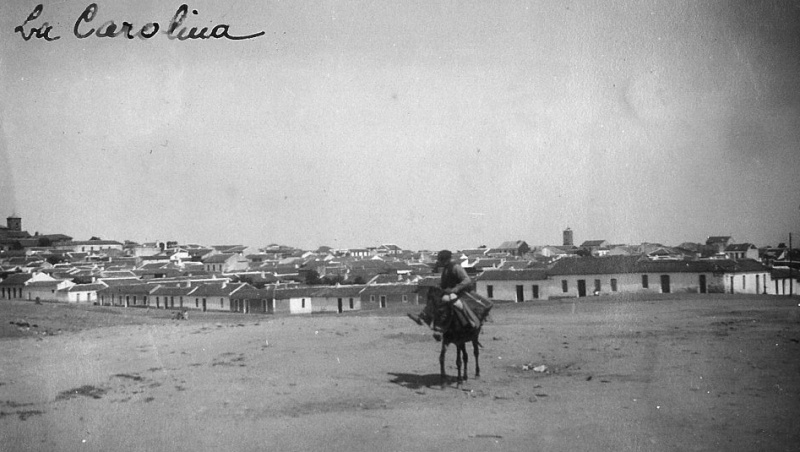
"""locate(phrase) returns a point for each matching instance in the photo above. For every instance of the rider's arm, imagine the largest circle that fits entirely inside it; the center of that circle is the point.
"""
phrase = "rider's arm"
(463, 277)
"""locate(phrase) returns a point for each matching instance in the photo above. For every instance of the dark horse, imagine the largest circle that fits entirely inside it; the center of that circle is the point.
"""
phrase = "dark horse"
(454, 333)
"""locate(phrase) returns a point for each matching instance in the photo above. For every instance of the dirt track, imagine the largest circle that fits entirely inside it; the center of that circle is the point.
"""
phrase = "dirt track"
(681, 373)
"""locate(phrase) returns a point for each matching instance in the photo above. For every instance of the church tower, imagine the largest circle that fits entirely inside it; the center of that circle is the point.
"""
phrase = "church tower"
(14, 223)
(568, 237)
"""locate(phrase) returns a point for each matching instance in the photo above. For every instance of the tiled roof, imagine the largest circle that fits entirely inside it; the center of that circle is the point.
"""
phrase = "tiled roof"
(16, 279)
(594, 265)
(391, 289)
(218, 258)
(174, 291)
(216, 290)
(93, 242)
(593, 243)
(129, 289)
(299, 292)
(636, 264)
(85, 287)
(44, 283)
(341, 291)
(511, 245)
(512, 275)
(739, 247)
(251, 293)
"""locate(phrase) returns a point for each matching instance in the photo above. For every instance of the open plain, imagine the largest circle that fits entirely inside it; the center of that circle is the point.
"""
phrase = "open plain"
(656, 373)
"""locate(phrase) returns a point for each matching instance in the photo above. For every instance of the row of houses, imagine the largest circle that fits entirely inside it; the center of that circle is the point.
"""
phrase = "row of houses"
(582, 277)
(214, 294)
(567, 278)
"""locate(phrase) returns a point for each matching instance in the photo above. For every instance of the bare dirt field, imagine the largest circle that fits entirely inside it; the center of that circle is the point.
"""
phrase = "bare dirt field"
(662, 373)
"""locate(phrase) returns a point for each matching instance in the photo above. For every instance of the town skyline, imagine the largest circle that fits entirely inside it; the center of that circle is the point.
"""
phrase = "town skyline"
(577, 242)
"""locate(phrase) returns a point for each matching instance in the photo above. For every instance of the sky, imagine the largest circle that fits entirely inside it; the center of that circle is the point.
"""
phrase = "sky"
(426, 124)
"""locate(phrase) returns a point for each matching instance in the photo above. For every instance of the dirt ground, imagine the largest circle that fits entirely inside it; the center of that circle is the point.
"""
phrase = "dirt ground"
(671, 373)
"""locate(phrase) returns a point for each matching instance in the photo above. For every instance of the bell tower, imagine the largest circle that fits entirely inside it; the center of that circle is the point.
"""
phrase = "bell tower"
(14, 223)
(568, 237)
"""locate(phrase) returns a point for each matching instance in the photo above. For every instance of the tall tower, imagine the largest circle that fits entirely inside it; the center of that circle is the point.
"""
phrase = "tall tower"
(568, 237)
(14, 223)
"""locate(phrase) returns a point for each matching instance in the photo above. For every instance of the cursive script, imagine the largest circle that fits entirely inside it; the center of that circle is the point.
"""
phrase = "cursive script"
(42, 32)
(175, 29)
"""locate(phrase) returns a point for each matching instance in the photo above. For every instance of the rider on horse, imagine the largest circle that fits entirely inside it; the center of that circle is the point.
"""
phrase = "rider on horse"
(458, 291)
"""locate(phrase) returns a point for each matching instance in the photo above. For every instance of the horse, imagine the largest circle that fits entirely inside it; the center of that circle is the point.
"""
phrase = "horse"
(454, 333)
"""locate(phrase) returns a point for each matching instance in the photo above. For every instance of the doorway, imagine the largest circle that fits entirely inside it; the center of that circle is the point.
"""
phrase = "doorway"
(665, 287)
(581, 287)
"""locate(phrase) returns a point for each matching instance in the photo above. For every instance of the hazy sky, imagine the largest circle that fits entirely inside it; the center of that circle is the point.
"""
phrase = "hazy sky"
(429, 124)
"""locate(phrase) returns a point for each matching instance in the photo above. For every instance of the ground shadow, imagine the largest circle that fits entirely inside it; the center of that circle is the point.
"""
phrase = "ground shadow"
(415, 381)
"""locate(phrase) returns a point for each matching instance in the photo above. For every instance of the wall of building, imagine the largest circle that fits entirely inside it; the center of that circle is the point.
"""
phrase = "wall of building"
(300, 305)
(507, 290)
(331, 304)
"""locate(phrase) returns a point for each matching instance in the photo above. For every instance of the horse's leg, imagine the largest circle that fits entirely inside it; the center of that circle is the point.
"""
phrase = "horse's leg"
(466, 361)
(441, 361)
(459, 347)
(475, 352)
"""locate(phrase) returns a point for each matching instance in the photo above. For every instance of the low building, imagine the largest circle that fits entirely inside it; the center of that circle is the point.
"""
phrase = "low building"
(252, 300)
(214, 297)
(45, 290)
(127, 295)
(169, 297)
(337, 299)
(513, 285)
(739, 251)
(80, 293)
(384, 295)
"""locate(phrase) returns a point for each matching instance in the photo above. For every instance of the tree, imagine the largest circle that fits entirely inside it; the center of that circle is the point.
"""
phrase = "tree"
(312, 278)
(95, 238)
(53, 260)
(44, 241)
(332, 280)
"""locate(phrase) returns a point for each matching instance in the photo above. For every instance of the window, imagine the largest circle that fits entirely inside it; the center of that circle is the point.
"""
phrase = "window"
(743, 282)
(597, 286)
(221, 303)
(535, 289)
(613, 284)
(372, 298)
(489, 291)
(196, 302)
(302, 302)
(405, 298)
(351, 303)
(645, 282)
(564, 287)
